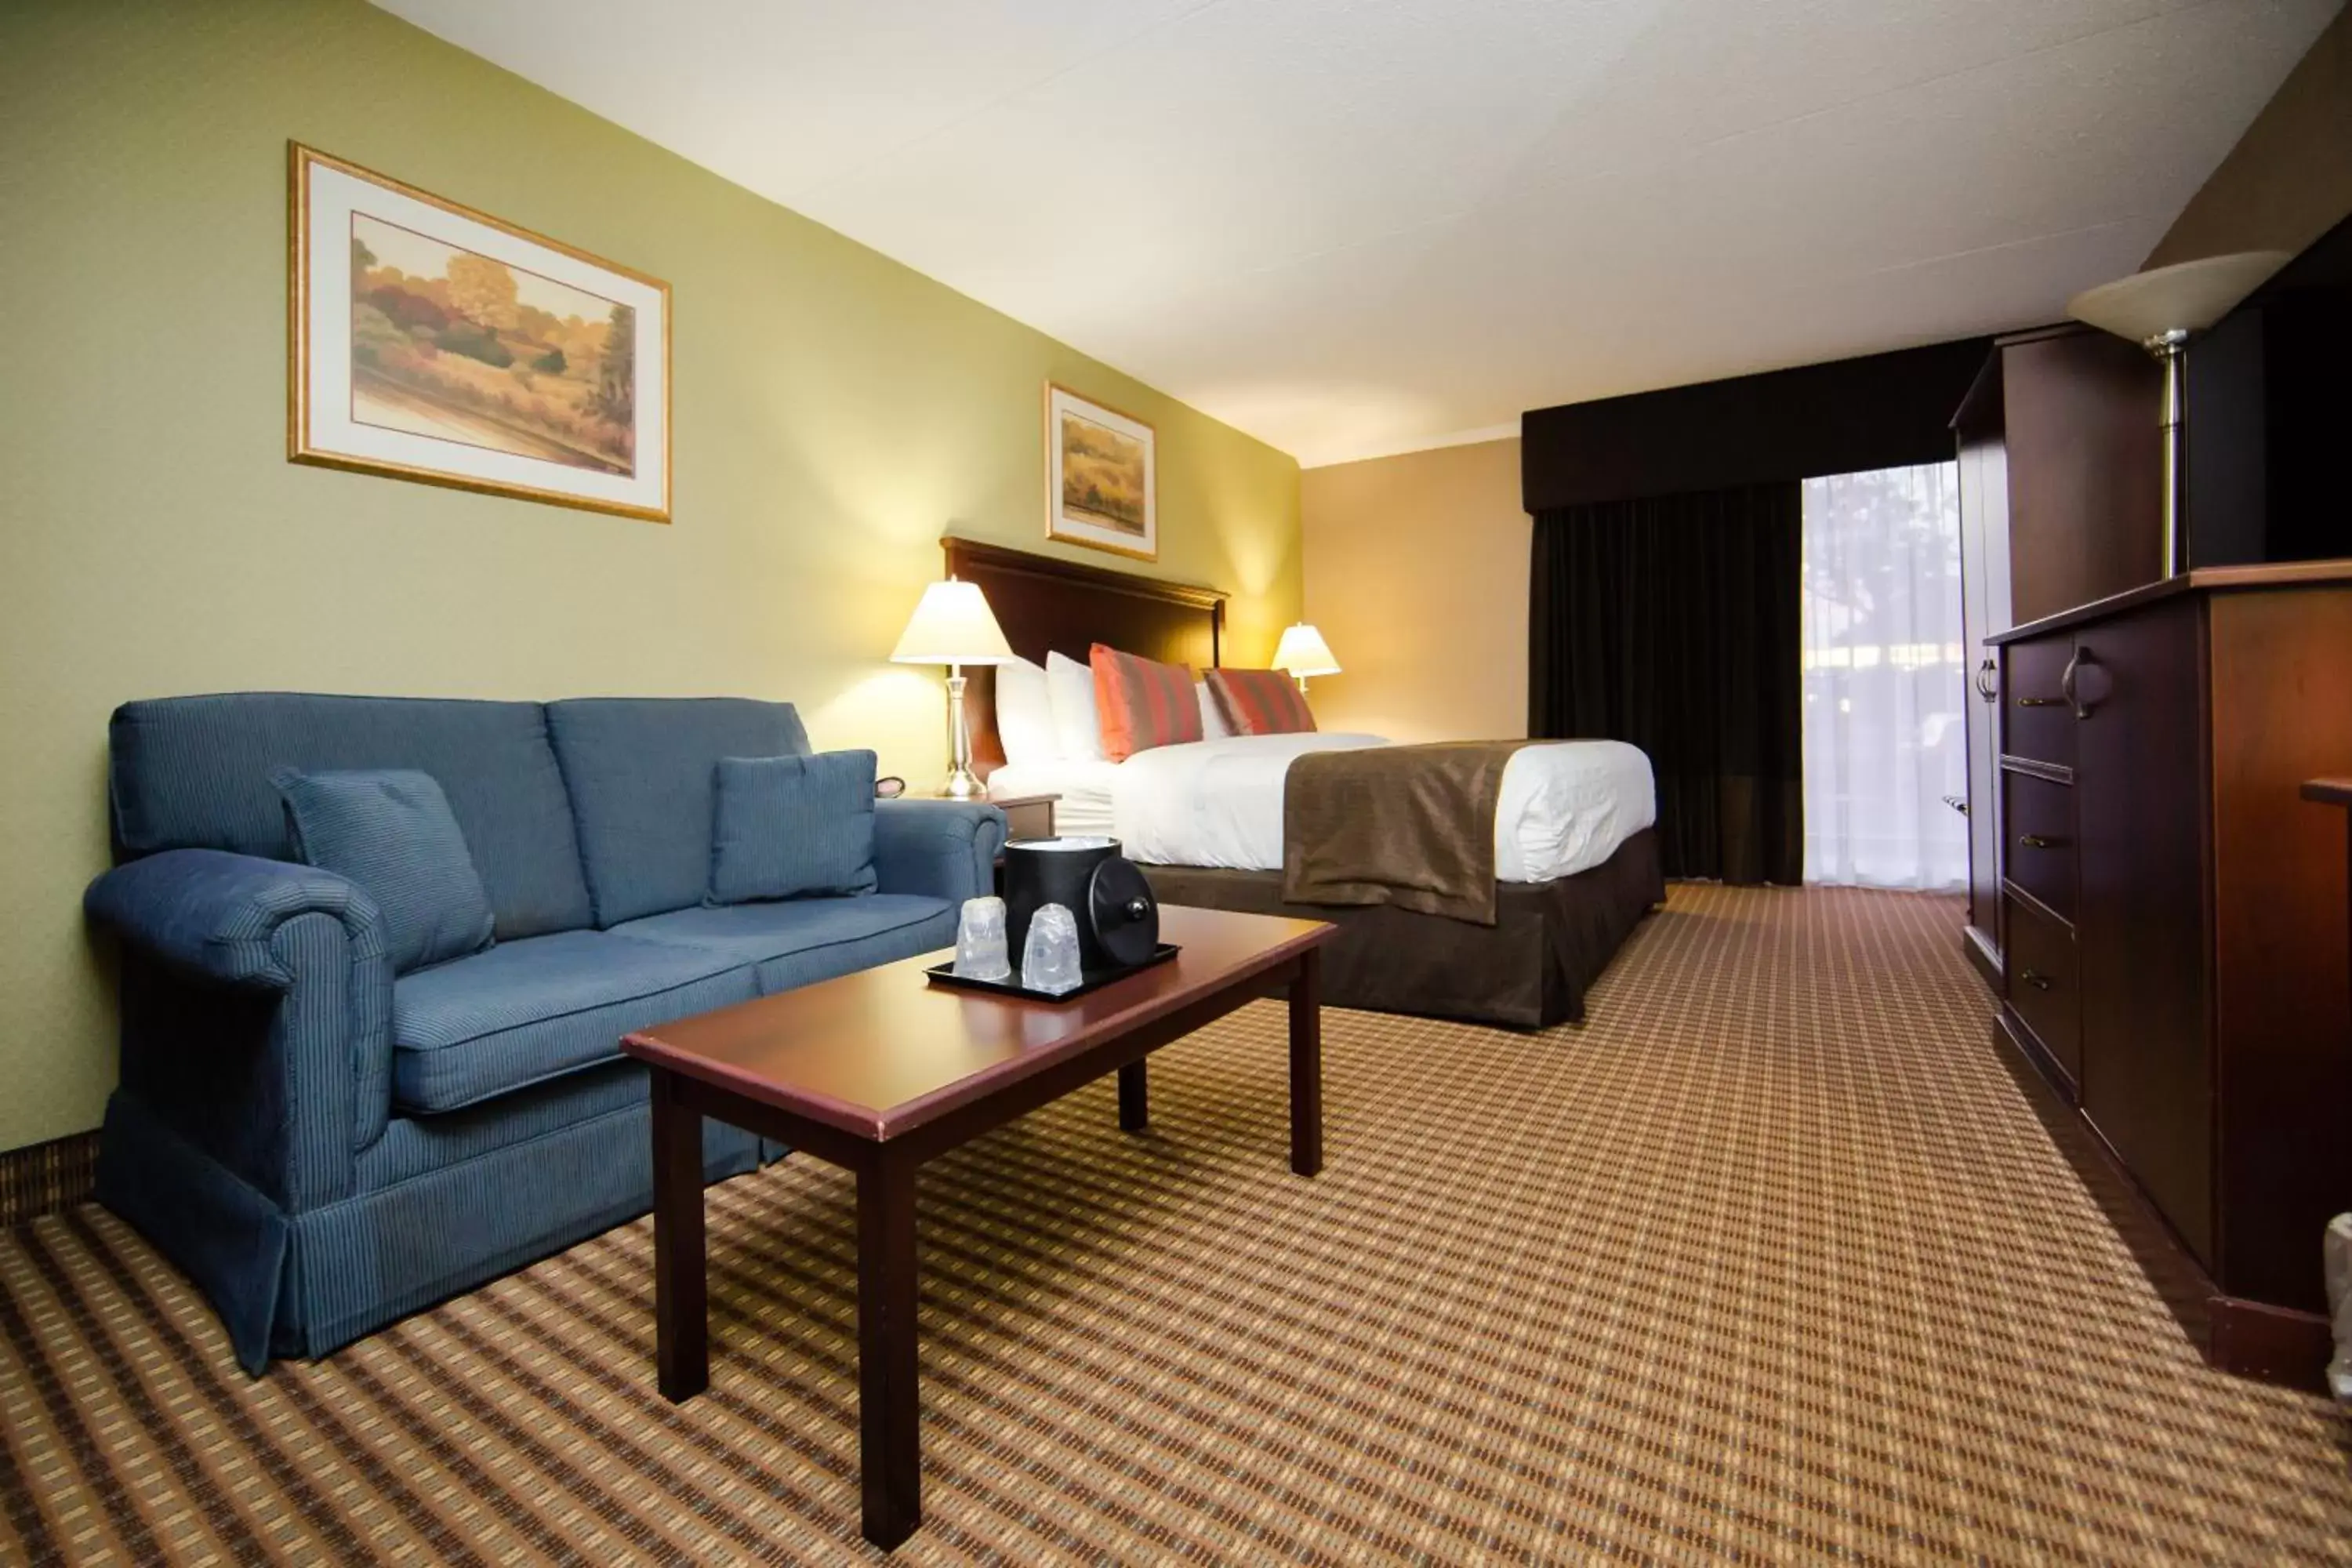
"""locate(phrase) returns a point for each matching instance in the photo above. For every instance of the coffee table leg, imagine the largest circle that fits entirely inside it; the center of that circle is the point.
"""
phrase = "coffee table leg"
(1134, 1098)
(890, 1405)
(681, 1312)
(1306, 1064)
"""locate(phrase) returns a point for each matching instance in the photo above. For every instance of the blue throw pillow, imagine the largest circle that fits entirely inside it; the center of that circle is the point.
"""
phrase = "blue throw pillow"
(785, 827)
(391, 831)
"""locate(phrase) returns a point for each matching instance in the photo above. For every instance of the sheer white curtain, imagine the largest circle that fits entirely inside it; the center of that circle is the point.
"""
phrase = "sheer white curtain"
(1884, 679)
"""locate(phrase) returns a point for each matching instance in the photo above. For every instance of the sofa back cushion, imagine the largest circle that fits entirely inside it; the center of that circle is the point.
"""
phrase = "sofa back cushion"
(192, 772)
(641, 772)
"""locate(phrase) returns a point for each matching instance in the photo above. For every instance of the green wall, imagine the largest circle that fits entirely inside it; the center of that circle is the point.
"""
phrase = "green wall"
(835, 413)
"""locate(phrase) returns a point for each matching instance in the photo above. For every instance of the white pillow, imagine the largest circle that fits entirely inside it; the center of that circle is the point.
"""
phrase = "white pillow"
(1071, 686)
(1213, 718)
(1024, 713)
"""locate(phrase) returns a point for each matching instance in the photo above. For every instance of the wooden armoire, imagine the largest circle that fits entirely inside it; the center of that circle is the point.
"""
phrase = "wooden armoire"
(2162, 915)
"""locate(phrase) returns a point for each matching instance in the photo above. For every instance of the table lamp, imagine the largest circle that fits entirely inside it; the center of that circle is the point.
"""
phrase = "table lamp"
(1303, 652)
(952, 626)
(2161, 309)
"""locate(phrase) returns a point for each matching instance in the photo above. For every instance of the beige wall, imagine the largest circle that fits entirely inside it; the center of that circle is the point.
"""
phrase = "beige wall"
(2289, 179)
(833, 413)
(1417, 575)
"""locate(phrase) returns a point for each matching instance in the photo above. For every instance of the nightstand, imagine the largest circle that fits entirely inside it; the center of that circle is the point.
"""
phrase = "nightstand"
(1027, 815)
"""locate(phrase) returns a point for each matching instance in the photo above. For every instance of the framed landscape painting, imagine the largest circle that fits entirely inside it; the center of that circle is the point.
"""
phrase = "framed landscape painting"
(1101, 488)
(436, 344)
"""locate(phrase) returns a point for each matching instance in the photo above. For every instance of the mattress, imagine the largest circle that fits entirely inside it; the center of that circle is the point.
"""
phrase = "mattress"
(1565, 806)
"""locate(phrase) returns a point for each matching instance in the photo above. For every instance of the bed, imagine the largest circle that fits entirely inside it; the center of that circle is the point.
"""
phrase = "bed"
(1576, 854)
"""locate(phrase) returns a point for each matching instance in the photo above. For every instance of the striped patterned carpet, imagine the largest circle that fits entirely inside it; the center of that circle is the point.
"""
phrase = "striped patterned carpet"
(1773, 1261)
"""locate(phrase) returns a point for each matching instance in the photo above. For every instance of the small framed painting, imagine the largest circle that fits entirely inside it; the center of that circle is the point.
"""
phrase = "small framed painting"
(433, 342)
(1101, 488)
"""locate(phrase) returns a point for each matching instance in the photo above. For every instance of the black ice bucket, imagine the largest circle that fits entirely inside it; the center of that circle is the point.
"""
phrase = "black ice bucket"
(1117, 918)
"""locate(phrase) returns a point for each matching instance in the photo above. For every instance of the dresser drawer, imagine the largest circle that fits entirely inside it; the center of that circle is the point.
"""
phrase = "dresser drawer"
(2037, 722)
(2039, 954)
(2038, 852)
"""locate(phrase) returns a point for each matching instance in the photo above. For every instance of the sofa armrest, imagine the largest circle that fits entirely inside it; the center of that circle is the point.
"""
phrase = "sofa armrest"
(944, 848)
(257, 1013)
(215, 914)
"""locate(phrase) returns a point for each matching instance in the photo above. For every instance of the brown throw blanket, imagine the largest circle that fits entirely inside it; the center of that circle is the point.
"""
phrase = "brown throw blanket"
(1409, 826)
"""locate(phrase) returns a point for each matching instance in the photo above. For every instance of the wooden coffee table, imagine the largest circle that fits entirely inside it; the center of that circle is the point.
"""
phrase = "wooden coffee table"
(880, 1071)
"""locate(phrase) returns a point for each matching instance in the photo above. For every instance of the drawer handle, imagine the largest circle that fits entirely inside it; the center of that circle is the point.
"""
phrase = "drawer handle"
(2038, 981)
(2035, 841)
(2042, 703)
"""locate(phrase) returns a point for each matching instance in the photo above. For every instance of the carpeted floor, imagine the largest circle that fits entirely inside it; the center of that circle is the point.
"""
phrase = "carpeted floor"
(1773, 1261)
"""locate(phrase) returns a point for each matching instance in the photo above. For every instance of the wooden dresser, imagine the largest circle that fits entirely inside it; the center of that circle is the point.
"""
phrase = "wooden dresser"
(2058, 462)
(2173, 918)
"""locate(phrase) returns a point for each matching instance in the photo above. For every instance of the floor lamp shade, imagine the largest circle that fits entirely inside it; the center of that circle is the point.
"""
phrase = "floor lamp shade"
(2186, 298)
(953, 626)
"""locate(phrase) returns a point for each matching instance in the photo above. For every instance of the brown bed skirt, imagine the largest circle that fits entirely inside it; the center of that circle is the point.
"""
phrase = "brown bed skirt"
(1528, 970)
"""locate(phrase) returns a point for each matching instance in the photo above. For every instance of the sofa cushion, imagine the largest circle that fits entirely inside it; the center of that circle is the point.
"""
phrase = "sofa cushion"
(524, 1012)
(802, 940)
(641, 772)
(390, 830)
(192, 772)
(785, 828)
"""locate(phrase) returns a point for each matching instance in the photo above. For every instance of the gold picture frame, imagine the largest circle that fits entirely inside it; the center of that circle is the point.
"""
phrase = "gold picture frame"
(496, 361)
(1102, 476)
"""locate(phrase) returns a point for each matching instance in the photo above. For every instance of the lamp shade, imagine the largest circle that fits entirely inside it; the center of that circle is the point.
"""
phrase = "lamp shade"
(2187, 297)
(1302, 651)
(952, 625)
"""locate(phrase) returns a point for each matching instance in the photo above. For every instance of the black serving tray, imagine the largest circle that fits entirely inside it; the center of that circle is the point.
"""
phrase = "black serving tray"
(1090, 979)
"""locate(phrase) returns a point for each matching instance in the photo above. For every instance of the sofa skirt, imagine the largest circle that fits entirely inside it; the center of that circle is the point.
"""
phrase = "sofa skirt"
(307, 1284)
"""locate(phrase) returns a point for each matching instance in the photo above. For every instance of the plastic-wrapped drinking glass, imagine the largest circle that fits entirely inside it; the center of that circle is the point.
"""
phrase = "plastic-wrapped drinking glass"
(1049, 959)
(981, 952)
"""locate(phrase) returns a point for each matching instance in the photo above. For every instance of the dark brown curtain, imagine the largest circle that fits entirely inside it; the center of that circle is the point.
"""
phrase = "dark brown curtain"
(1672, 623)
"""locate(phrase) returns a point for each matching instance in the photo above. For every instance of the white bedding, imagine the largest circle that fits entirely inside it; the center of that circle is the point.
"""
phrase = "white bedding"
(1565, 806)
(1083, 786)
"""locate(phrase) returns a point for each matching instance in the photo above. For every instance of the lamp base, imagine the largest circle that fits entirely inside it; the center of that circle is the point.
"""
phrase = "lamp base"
(2171, 349)
(963, 783)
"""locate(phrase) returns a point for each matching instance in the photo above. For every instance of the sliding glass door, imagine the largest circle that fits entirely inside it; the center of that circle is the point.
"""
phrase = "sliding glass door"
(1885, 666)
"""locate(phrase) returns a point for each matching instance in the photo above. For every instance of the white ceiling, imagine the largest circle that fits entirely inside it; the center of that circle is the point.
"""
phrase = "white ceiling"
(1353, 226)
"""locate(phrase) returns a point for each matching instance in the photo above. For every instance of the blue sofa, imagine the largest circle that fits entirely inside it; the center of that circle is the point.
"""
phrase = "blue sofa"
(323, 1147)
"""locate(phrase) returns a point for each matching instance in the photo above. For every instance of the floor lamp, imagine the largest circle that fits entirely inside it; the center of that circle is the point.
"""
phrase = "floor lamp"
(2161, 309)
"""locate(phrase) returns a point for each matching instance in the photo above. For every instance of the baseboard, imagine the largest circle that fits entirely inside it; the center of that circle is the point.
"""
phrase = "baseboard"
(2249, 1338)
(1982, 952)
(2275, 1344)
(43, 1178)
(2013, 1032)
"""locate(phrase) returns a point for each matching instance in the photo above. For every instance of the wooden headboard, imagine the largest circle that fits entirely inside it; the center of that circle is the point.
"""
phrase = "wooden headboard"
(1049, 605)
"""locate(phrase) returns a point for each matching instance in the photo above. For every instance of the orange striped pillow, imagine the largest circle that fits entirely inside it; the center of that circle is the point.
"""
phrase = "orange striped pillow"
(1141, 702)
(1261, 702)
